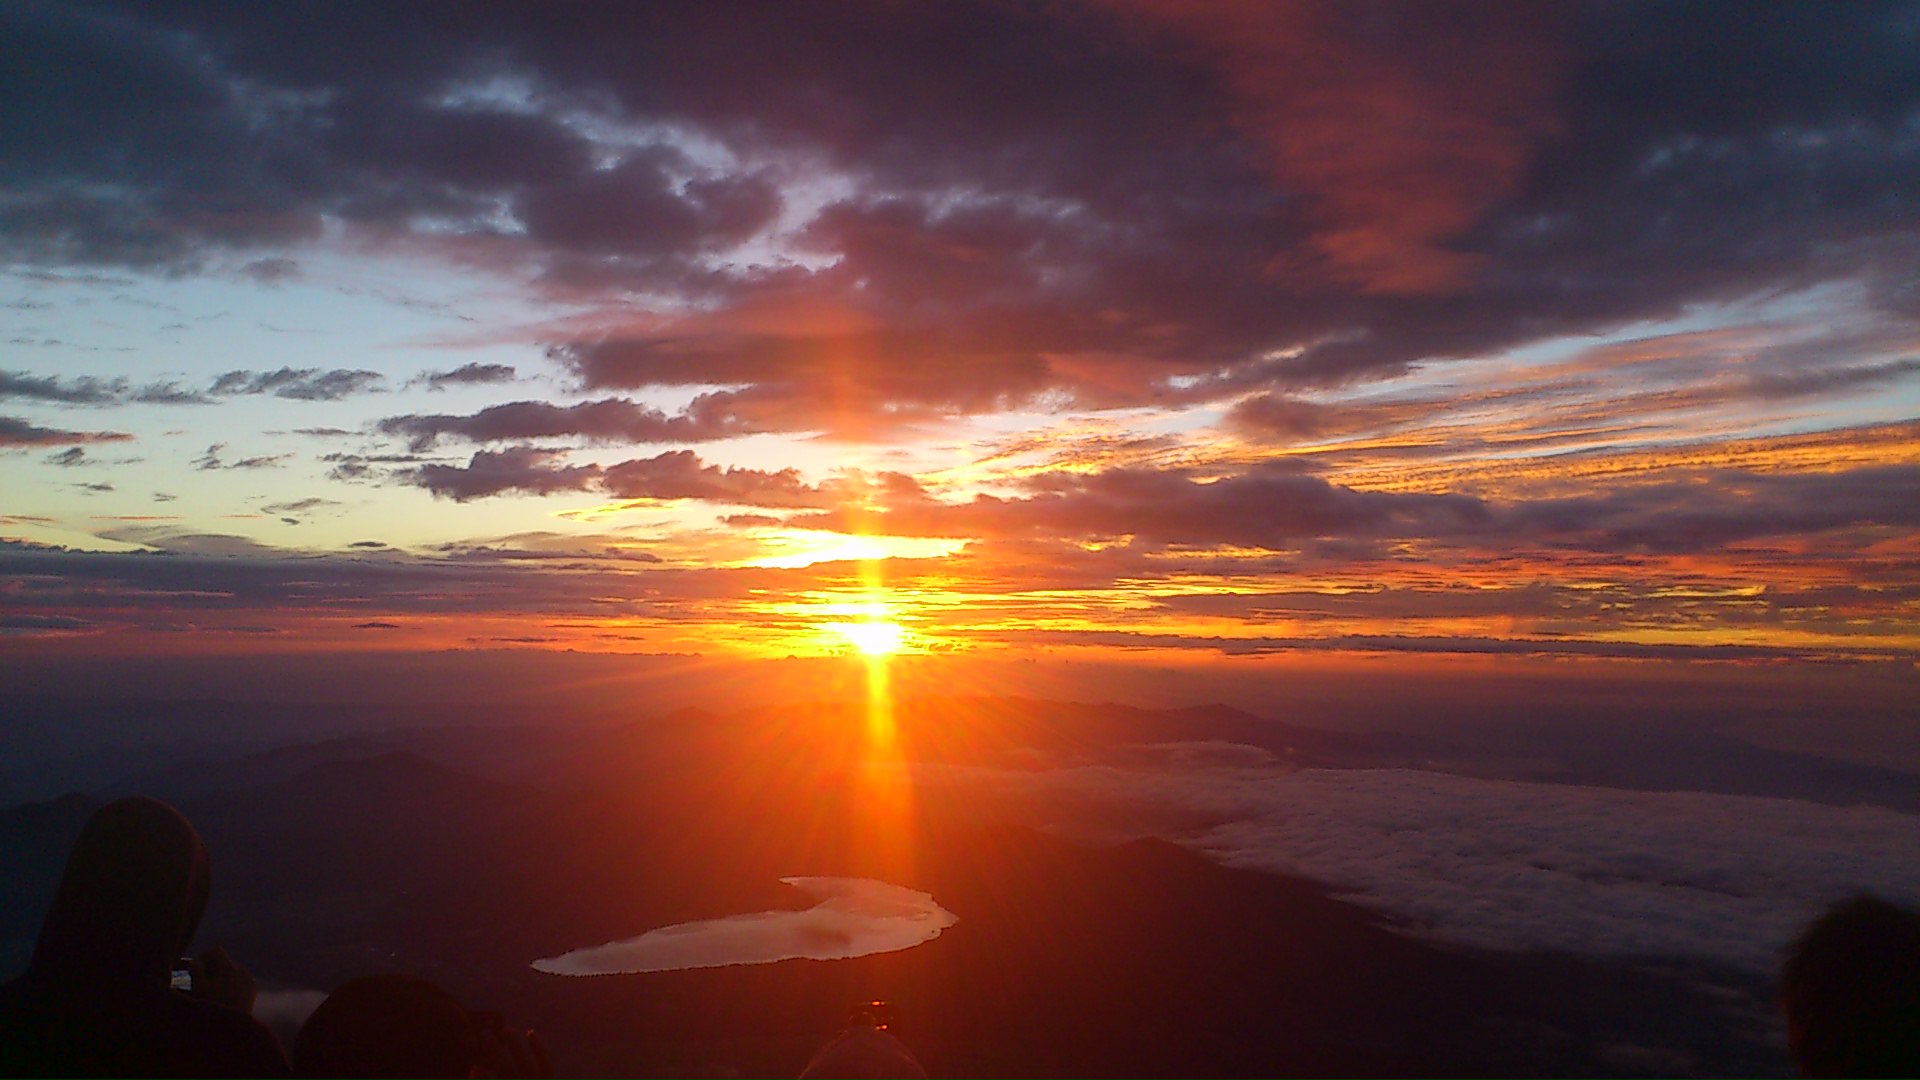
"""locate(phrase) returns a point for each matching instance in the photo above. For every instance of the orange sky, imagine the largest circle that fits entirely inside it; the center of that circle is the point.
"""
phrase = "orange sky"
(1112, 330)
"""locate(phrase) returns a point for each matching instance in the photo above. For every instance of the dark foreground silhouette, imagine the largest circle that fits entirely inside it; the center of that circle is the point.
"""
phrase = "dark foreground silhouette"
(1850, 989)
(398, 1025)
(96, 998)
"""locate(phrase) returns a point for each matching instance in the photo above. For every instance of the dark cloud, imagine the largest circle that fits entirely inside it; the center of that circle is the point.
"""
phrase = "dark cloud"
(90, 390)
(858, 385)
(1655, 388)
(168, 393)
(604, 420)
(298, 384)
(1104, 204)
(1387, 206)
(1455, 644)
(85, 390)
(356, 467)
(188, 574)
(1285, 418)
(551, 548)
(1710, 509)
(300, 506)
(645, 207)
(523, 469)
(474, 374)
(272, 271)
(1789, 385)
(71, 456)
(680, 474)
(17, 432)
(1271, 507)
(154, 533)
(213, 459)
(676, 474)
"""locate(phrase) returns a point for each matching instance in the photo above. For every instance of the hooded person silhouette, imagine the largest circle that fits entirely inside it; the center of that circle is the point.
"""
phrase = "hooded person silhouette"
(1850, 989)
(96, 999)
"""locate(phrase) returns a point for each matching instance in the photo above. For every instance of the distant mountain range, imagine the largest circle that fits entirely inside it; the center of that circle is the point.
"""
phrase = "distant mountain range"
(977, 730)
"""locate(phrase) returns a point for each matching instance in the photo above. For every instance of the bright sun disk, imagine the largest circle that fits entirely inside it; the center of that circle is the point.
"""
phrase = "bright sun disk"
(872, 638)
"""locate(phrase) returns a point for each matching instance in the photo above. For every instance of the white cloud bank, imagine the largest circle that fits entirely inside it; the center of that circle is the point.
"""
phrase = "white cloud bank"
(855, 917)
(1513, 865)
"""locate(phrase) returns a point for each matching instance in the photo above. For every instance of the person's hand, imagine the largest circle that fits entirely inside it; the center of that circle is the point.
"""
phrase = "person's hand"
(217, 978)
(511, 1052)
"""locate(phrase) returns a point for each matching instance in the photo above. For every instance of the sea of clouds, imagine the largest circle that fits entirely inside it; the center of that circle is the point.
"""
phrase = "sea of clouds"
(1506, 864)
(855, 917)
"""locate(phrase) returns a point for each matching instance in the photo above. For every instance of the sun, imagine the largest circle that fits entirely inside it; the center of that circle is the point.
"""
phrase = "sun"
(872, 638)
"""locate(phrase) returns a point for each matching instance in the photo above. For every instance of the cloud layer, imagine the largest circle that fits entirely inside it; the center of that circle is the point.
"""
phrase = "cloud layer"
(976, 208)
(1505, 865)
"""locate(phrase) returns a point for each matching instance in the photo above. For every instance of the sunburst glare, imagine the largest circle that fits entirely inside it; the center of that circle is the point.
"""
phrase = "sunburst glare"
(872, 638)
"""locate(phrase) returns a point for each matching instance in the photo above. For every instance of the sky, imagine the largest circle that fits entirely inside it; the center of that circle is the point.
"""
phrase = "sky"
(1122, 330)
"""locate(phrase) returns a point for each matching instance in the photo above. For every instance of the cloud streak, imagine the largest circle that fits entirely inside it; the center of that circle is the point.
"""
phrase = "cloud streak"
(474, 374)
(15, 431)
(298, 384)
(674, 475)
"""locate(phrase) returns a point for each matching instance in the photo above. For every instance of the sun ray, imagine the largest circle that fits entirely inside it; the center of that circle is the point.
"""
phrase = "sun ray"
(885, 792)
